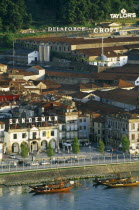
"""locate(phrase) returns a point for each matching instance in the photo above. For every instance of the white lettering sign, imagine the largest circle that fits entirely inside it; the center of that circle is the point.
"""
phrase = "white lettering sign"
(94, 30)
(123, 14)
(33, 120)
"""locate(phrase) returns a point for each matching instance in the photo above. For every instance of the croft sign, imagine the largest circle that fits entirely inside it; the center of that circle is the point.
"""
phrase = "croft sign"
(123, 14)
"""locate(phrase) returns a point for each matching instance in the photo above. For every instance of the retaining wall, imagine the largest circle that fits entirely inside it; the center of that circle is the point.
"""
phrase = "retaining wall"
(38, 176)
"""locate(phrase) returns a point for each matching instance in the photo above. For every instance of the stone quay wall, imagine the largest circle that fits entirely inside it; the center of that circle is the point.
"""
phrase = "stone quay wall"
(41, 176)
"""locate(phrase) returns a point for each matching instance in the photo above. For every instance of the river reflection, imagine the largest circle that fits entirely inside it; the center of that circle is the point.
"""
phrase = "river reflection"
(85, 197)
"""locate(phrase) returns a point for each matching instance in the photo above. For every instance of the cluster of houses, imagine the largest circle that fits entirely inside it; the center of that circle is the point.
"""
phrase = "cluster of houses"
(41, 104)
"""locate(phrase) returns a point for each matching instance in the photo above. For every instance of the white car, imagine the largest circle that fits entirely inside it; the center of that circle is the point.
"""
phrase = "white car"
(45, 163)
(34, 164)
(12, 156)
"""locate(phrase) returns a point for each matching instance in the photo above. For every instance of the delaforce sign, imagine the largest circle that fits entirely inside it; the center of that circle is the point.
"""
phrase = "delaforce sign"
(123, 14)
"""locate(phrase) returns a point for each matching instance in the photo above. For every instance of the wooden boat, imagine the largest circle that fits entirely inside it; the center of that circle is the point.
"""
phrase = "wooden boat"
(126, 184)
(57, 184)
(52, 190)
(110, 181)
(114, 181)
(41, 187)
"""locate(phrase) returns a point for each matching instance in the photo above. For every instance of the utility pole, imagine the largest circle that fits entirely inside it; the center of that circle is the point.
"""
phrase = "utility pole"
(13, 53)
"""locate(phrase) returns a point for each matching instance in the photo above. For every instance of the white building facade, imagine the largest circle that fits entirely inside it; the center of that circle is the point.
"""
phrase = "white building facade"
(35, 133)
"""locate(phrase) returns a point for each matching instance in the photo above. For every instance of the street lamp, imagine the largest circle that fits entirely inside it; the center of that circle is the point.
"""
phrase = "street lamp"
(64, 161)
(117, 158)
(124, 156)
(9, 166)
(104, 158)
(111, 158)
(98, 158)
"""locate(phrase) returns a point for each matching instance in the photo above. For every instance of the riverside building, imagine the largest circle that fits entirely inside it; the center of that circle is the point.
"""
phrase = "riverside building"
(119, 125)
(36, 132)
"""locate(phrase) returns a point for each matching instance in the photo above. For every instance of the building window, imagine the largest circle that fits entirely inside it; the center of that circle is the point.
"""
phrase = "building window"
(24, 135)
(133, 136)
(84, 119)
(80, 120)
(52, 133)
(80, 128)
(84, 127)
(115, 124)
(132, 126)
(34, 135)
(14, 136)
(44, 133)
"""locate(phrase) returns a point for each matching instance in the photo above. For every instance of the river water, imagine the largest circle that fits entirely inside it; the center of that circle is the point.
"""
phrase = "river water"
(84, 197)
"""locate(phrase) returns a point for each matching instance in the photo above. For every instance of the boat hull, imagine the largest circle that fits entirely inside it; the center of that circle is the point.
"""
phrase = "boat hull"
(65, 189)
(122, 185)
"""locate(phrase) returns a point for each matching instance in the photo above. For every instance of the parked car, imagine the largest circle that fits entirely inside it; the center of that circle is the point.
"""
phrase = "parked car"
(34, 163)
(57, 161)
(44, 163)
(71, 160)
(12, 156)
(108, 149)
(21, 163)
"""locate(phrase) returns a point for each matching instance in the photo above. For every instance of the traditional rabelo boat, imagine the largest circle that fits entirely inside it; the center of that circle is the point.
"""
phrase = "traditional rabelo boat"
(130, 184)
(113, 180)
(58, 186)
(43, 186)
(110, 181)
(53, 190)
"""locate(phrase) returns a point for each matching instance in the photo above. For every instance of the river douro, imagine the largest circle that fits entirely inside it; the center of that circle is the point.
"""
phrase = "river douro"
(84, 197)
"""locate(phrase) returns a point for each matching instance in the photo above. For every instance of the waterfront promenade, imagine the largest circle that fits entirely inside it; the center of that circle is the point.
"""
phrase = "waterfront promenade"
(88, 156)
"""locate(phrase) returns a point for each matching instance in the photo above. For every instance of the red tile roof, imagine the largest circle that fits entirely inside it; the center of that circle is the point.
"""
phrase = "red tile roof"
(74, 41)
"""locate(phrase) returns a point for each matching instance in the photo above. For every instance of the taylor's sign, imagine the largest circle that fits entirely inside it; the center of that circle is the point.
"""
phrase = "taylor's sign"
(33, 120)
(123, 14)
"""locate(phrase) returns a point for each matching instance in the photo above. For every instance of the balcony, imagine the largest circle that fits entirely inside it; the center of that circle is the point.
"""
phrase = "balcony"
(34, 139)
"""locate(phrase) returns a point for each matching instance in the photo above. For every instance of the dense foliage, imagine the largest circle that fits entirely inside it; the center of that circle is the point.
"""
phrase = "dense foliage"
(13, 15)
(50, 151)
(75, 146)
(125, 144)
(74, 11)
(24, 150)
(101, 146)
(16, 14)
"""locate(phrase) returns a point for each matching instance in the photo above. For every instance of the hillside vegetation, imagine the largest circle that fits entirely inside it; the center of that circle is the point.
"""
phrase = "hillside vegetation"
(21, 14)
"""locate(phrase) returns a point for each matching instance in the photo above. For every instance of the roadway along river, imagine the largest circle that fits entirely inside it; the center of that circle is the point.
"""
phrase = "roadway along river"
(85, 197)
(7, 167)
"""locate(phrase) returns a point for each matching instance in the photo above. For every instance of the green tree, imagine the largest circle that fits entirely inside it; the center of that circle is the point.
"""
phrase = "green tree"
(75, 146)
(74, 11)
(24, 150)
(49, 150)
(13, 15)
(125, 144)
(101, 146)
(8, 40)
